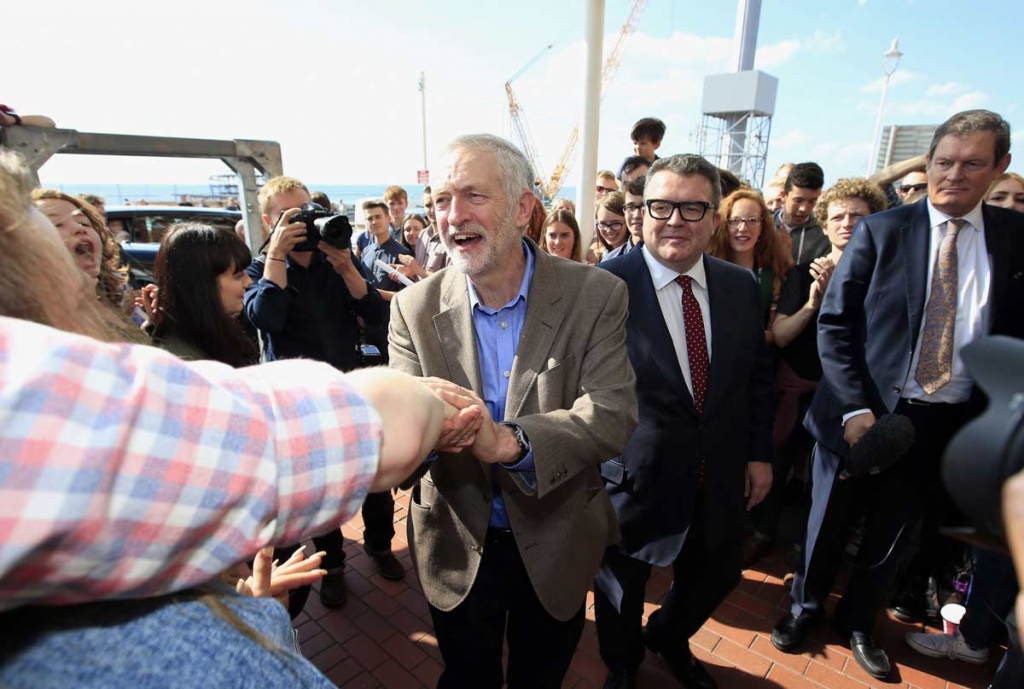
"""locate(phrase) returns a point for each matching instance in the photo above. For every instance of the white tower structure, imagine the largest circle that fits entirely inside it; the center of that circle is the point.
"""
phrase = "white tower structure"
(738, 106)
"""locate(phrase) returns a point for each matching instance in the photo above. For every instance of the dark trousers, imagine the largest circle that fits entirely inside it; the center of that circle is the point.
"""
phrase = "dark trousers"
(702, 576)
(503, 605)
(893, 503)
(378, 513)
(990, 600)
(765, 516)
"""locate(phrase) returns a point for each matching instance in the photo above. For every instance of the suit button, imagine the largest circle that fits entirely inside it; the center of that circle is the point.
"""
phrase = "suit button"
(897, 389)
(487, 498)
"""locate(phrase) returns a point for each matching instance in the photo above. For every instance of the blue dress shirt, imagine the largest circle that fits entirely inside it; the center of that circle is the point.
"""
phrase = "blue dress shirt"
(497, 337)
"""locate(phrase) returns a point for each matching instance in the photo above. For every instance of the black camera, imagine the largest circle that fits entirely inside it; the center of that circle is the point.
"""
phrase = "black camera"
(321, 225)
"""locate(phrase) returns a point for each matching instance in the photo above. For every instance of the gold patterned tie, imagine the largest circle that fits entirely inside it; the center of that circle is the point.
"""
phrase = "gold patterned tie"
(935, 366)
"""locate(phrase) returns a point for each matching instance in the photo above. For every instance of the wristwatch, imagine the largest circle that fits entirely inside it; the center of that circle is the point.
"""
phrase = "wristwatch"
(524, 442)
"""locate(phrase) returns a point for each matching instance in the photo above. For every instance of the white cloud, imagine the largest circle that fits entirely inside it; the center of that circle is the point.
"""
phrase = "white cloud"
(794, 138)
(861, 3)
(970, 101)
(950, 88)
(899, 77)
(823, 43)
(771, 56)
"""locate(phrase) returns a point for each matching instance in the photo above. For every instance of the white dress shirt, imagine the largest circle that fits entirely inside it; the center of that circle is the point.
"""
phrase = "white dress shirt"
(974, 282)
(670, 299)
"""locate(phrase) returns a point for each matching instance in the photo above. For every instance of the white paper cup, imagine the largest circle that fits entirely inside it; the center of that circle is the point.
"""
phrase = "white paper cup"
(952, 613)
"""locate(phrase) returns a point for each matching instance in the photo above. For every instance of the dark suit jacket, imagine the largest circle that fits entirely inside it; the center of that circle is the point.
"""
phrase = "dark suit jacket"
(871, 314)
(653, 484)
(572, 391)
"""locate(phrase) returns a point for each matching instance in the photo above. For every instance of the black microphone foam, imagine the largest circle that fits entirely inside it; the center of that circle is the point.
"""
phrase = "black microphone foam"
(888, 439)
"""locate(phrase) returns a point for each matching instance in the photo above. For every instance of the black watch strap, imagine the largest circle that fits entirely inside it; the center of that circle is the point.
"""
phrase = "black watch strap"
(524, 442)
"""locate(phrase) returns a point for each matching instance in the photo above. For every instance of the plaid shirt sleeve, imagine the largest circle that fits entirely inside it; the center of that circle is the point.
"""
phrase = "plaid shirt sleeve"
(125, 472)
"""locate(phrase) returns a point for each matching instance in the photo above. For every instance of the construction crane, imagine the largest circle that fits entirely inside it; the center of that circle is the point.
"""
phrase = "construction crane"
(519, 123)
(549, 189)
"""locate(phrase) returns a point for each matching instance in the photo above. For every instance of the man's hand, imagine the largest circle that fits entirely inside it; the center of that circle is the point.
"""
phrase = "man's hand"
(270, 580)
(341, 259)
(493, 443)
(459, 430)
(821, 272)
(759, 482)
(286, 235)
(857, 426)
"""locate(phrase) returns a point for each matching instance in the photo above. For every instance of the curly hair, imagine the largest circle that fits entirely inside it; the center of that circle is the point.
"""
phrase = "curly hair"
(772, 249)
(113, 276)
(850, 188)
(27, 276)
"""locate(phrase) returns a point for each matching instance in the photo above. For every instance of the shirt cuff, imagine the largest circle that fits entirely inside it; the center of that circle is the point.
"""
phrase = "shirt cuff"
(847, 417)
(524, 464)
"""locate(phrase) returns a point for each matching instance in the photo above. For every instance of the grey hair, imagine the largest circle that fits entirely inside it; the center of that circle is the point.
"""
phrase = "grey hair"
(687, 165)
(970, 122)
(515, 170)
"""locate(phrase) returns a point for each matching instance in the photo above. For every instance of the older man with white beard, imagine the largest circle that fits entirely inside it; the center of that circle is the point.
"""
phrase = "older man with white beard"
(508, 524)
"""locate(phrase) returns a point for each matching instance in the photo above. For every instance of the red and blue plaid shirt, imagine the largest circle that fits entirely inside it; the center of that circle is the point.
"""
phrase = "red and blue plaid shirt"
(126, 472)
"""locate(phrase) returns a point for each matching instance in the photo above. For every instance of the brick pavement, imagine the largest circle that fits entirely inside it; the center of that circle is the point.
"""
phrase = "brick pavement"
(382, 637)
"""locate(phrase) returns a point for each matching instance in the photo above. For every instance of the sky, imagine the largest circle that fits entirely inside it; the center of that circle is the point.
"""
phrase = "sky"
(335, 81)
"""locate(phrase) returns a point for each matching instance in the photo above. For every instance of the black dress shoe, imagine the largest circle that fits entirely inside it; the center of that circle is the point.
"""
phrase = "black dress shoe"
(620, 679)
(789, 632)
(333, 593)
(388, 566)
(869, 656)
(689, 671)
(908, 606)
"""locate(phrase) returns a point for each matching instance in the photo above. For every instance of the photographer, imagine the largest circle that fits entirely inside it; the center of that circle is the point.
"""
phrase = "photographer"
(307, 302)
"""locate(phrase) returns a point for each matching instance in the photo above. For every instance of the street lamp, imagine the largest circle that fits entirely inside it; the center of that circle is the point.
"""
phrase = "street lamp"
(892, 60)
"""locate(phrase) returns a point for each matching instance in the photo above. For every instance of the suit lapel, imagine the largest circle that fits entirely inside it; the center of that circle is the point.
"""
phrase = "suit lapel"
(998, 268)
(545, 312)
(647, 324)
(454, 327)
(721, 347)
(914, 236)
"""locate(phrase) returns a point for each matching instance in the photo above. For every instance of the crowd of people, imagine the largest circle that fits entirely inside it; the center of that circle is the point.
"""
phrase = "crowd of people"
(566, 417)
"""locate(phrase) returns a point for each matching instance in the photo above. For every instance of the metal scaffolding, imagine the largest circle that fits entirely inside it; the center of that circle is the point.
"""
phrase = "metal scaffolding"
(737, 142)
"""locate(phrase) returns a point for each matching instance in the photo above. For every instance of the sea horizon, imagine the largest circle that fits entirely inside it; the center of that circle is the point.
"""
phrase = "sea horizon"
(119, 194)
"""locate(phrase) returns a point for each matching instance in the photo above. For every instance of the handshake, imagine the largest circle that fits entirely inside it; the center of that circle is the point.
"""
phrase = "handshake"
(469, 425)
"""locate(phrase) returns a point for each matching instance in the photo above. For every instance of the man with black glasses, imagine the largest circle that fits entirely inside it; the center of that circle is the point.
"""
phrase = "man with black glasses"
(702, 451)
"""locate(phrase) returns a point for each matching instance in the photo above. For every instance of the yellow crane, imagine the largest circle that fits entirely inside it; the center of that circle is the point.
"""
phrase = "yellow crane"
(549, 188)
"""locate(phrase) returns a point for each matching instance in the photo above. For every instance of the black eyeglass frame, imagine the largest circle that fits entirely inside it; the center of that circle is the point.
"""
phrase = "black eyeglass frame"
(678, 206)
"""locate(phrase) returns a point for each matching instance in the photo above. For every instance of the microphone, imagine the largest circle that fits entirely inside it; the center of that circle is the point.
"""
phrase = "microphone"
(888, 439)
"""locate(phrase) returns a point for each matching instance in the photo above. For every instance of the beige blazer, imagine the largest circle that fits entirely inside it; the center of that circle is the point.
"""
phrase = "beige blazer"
(572, 390)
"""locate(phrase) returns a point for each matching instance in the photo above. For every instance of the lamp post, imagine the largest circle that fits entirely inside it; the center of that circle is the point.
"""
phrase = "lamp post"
(892, 60)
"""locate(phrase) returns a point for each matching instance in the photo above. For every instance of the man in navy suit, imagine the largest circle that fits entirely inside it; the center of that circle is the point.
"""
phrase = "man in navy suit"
(695, 337)
(915, 285)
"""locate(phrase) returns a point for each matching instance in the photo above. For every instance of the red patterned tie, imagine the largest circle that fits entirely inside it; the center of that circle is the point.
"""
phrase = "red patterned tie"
(696, 343)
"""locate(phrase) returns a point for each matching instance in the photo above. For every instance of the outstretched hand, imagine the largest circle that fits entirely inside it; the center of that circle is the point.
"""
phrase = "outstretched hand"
(268, 579)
